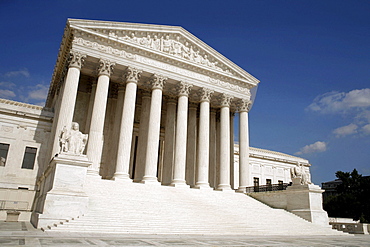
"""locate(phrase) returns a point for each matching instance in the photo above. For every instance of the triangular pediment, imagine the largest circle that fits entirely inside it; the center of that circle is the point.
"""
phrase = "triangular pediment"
(171, 41)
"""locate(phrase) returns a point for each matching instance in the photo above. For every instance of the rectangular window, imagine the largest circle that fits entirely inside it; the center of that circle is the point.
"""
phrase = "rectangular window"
(281, 185)
(4, 148)
(268, 184)
(29, 158)
(256, 184)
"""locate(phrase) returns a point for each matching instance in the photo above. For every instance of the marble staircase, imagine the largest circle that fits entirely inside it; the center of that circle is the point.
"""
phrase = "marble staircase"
(134, 208)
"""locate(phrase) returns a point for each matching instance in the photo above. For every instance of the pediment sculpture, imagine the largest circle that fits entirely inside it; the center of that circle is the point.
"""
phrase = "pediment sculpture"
(300, 174)
(174, 47)
(72, 141)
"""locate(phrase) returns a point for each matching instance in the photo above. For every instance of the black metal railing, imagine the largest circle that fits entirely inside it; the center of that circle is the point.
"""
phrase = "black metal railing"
(269, 187)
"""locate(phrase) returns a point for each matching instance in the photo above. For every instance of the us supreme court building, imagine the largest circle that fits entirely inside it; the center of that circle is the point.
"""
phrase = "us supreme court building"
(138, 103)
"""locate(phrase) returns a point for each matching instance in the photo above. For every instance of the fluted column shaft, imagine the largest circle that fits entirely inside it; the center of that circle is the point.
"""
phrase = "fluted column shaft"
(191, 145)
(169, 142)
(94, 149)
(181, 136)
(244, 173)
(116, 129)
(89, 110)
(225, 144)
(132, 77)
(234, 175)
(150, 174)
(202, 176)
(68, 98)
(212, 150)
(143, 137)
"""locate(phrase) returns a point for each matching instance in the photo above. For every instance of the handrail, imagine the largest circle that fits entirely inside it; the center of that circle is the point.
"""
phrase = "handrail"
(269, 187)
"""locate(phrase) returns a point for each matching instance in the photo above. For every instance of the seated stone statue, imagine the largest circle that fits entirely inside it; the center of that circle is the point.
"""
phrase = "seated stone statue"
(73, 141)
(299, 171)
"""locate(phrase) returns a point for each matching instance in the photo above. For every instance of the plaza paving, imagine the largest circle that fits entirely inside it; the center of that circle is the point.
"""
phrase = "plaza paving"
(23, 234)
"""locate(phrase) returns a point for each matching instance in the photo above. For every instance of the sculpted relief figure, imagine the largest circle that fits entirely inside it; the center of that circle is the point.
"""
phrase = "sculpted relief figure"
(72, 141)
(156, 43)
(299, 171)
(176, 47)
(145, 41)
(167, 44)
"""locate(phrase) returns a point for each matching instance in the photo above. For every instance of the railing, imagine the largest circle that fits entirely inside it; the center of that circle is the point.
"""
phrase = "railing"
(269, 187)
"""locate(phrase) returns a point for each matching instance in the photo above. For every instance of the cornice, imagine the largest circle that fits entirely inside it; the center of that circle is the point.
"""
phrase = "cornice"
(25, 110)
(265, 154)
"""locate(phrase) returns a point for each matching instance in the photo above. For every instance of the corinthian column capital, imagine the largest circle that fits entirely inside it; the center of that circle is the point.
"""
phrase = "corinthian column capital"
(132, 74)
(105, 67)
(183, 88)
(205, 94)
(226, 100)
(158, 81)
(244, 105)
(76, 59)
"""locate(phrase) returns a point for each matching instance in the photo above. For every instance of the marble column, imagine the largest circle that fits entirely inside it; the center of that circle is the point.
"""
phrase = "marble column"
(212, 149)
(116, 128)
(181, 135)
(191, 144)
(224, 184)
(68, 98)
(244, 172)
(234, 175)
(95, 147)
(151, 159)
(89, 110)
(169, 141)
(132, 77)
(202, 176)
(143, 136)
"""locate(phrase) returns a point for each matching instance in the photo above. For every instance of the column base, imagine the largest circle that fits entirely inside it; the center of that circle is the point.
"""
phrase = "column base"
(202, 186)
(179, 184)
(224, 187)
(150, 180)
(120, 176)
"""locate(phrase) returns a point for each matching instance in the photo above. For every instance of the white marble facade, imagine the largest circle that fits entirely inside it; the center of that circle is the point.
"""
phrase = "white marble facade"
(156, 104)
(148, 96)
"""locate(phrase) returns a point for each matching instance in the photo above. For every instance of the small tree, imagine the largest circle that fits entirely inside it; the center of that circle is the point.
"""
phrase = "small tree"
(353, 198)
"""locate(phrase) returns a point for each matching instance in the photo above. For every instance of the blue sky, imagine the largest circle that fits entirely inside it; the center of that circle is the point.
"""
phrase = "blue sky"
(312, 58)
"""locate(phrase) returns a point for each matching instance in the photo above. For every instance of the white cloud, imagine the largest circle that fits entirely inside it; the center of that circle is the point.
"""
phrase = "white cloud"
(353, 105)
(7, 84)
(366, 129)
(7, 94)
(23, 72)
(346, 130)
(337, 102)
(313, 148)
(38, 92)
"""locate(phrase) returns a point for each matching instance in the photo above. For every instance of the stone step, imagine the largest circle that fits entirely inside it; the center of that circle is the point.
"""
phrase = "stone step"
(134, 208)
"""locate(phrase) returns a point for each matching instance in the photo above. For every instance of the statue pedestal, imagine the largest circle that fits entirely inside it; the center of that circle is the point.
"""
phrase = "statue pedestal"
(63, 197)
(306, 202)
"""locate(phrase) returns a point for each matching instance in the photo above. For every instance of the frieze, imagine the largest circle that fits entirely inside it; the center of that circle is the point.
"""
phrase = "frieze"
(161, 65)
(103, 48)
